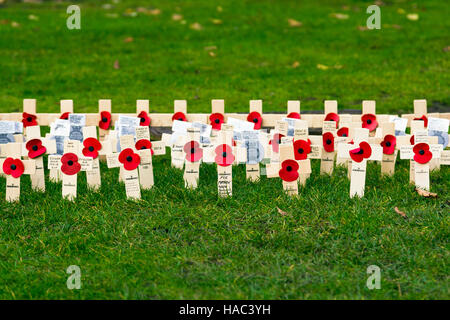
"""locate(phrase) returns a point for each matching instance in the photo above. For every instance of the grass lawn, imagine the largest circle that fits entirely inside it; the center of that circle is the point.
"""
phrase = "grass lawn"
(177, 243)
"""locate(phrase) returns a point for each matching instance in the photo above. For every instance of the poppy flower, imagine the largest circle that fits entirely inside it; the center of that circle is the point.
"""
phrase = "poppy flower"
(144, 144)
(13, 167)
(289, 170)
(35, 148)
(363, 152)
(275, 142)
(129, 159)
(216, 120)
(328, 141)
(389, 144)
(294, 115)
(411, 140)
(29, 120)
(145, 119)
(256, 118)
(193, 151)
(224, 155)
(105, 120)
(301, 149)
(369, 121)
(422, 153)
(65, 116)
(91, 147)
(332, 117)
(425, 120)
(342, 132)
(70, 165)
(180, 116)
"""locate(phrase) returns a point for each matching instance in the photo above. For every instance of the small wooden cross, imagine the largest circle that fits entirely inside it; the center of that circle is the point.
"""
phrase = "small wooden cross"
(193, 158)
(224, 158)
(104, 109)
(13, 167)
(93, 148)
(328, 147)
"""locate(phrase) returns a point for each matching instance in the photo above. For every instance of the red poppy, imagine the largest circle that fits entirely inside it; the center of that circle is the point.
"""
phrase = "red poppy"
(289, 170)
(144, 144)
(65, 116)
(193, 151)
(91, 147)
(105, 120)
(328, 141)
(424, 119)
(35, 148)
(411, 140)
(332, 117)
(216, 120)
(70, 165)
(294, 115)
(13, 167)
(301, 149)
(180, 116)
(369, 121)
(363, 152)
(342, 132)
(256, 118)
(29, 120)
(224, 155)
(275, 142)
(129, 159)
(389, 144)
(422, 153)
(145, 119)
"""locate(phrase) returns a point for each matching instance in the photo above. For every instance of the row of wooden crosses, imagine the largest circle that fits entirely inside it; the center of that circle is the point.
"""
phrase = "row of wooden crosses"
(285, 150)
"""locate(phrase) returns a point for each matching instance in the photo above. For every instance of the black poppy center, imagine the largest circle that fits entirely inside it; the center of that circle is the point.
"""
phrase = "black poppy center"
(224, 154)
(142, 120)
(344, 134)
(180, 119)
(289, 168)
(70, 163)
(421, 152)
(388, 144)
(279, 141)
(129, 159)
(361, 151)
(328, 141)
(13, 167)
(143, 147)
(34, 148)
(192, 150)
(369, 121)
(29, 119)
(300, 150)
(217, 121)
(91, 148)
(255, 120)
(104, 119)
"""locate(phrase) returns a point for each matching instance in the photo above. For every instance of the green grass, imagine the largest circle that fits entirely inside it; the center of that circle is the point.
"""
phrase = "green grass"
(177, 243)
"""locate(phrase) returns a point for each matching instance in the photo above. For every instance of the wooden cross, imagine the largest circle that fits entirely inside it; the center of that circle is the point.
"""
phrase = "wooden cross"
(104, 105)
(389, 142)
(29, 109)
(369, 118)
(301, 132)
(224, 160)
(13, 167)
(328, 143)
(93, 177)
(287, 154)
(193, 158)
(35, 148)
(293, 108)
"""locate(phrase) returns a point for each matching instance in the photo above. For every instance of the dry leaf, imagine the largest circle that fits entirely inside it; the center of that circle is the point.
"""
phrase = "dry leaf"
(128, 40)
(33, 17)
(219, 9)
(116, 64)
(426, 194)
(294, 23)
(4, 21)
(283, 213)
(15, 24)
(296, 64)
(196, 26)
(340, 16)
(216, 21)
(401, 213)
(177, 17)
(412, 16)
(212, 54)
(154, 12)
(362, 28)
(400, 11)
(322, 67)
(209, 48)
(446, 49)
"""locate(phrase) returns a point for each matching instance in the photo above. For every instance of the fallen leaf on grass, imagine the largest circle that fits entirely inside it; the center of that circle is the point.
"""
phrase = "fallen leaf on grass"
(412, 16)
(116, 65)
(296, 64)
(322, 67)
(209, 48)
(340, 16)
(33, 17)
(446, 49)
(15, 24)
(426, 194)
(216, 21)
(211, 53)
(219, 9)
(362, 28)
(177, 17)
(128, 39)
(196, 26)
(401, 213)
(283, 213)
(294, 23)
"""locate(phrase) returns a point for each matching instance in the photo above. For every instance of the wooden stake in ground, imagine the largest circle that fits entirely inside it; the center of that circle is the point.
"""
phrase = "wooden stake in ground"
(369, 119)
(288, 170)
(255, 151)
(388, 144)
(105, 118)
(29, 118)
(92, 148)
(224, 159)
(194, 154)
(13, 167)
(328, 147)
(35, 148)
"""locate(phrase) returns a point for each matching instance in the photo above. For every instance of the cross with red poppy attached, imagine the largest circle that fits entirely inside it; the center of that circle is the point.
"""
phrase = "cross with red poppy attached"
(13, 167)
(328, 151)
(358, 153)
(288, 171)
(29, 116)
(104, 118)
(194, 154)
(35, 148)
(293, 109)
(217, 117)
(389, 144)
(255, 115)
(331, 111)
(369, 118)
(224, 159)
(93, 148)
